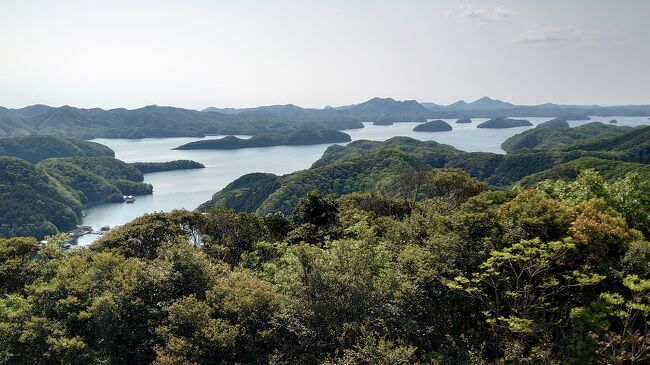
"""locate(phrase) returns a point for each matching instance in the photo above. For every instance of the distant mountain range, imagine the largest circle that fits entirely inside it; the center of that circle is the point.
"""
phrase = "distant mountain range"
(486, 107)
(164, 121)
(388, 109)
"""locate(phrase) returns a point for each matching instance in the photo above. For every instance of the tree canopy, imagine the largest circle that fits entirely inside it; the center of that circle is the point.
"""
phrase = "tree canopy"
(556, 274)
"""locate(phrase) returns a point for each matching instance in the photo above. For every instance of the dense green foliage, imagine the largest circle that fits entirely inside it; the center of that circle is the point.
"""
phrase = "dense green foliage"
(610, 169)
(89, 187)
(33, 202)
(554, 275)
(106, 167)
(504, 123)
(290, 137)
(433, 126)
(556, 133)
(635, 144)
(147, 167)
(37, 148)
(42, 199)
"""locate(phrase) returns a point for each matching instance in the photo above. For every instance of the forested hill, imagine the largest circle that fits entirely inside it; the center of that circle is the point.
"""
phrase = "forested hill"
(45, 198)
(383, 166)
(45, 182)
(557, 133)
(37, 148)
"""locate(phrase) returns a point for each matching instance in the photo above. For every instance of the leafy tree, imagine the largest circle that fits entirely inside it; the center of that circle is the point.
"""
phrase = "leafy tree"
(227, 234)
(316, 209)
(627, 196)
(617, 329)
(371, 350)
(144, 235)
(250, 304)
(192, 336)
(17, 263)
(277, 225)
(522, 286)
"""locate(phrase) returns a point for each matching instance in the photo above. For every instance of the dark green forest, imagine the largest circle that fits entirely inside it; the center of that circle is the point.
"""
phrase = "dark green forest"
(556, 274)
(46, 181)
(45, 198)
(557, 133)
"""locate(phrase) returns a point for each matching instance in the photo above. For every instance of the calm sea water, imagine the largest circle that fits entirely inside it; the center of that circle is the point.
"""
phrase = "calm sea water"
(188, 188)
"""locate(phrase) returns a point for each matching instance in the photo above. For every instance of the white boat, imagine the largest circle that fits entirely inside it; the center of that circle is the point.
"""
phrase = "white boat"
(129, 199)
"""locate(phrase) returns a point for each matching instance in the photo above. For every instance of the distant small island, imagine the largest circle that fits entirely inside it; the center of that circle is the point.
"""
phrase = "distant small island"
(382, 122)
(613, 121)
(504, 123)
(433, 126)
(147, 167)
(292, 137)
(464, 121)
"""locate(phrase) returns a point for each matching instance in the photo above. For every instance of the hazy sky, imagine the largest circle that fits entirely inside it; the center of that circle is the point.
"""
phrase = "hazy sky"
(195, 53)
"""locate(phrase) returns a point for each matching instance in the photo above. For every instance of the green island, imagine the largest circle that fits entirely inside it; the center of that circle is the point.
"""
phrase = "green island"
(464, 121)
(292, 137)
(147, 167)
(433, 126)
(504, 123)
